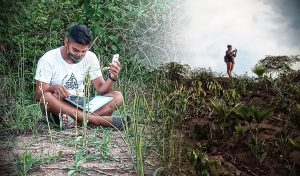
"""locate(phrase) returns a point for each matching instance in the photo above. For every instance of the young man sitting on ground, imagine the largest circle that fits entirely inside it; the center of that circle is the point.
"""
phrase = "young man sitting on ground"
(61, 73)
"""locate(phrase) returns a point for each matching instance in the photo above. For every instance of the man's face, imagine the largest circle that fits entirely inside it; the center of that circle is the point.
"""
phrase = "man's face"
(75, 51)
(230, 48)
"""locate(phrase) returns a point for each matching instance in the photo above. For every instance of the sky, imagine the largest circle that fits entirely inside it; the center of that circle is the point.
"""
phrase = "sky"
(256, 28)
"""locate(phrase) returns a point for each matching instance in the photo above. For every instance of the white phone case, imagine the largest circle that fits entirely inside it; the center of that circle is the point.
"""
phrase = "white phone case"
(115, 58)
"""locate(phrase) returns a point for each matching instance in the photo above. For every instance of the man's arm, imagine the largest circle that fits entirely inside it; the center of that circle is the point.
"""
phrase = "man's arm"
(58, 90)
(102, 86)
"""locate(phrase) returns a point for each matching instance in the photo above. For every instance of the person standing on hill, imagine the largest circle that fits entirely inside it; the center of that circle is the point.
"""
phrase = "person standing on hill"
(229, 59)
(61, 73)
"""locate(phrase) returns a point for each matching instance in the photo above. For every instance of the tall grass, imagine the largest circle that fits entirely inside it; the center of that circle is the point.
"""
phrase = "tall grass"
(157, 108)
(19, 112)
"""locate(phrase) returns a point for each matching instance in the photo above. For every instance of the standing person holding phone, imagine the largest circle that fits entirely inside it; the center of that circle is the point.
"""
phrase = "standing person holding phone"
(229, 59)
(61, 73)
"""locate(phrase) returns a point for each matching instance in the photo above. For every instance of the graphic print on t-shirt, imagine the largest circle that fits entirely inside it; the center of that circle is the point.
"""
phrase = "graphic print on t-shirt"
(71, 83)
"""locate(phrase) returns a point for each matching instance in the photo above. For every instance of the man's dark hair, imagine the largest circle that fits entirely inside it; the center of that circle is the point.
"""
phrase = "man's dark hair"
(228, 46)
(80, 34)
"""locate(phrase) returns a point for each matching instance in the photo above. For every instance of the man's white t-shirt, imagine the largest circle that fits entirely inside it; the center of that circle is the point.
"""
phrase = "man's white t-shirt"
(53, 69)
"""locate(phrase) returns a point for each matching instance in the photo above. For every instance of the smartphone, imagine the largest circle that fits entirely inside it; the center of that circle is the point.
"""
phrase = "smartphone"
(115, 58)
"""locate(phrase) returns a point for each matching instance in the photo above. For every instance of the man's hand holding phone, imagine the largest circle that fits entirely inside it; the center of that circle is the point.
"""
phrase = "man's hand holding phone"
(115, 67)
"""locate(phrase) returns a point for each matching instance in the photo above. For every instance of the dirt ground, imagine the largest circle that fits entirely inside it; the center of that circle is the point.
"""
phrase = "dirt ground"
(59, 154)
(233, 150)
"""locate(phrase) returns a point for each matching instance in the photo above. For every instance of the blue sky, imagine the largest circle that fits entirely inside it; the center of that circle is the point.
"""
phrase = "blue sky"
(255, 27)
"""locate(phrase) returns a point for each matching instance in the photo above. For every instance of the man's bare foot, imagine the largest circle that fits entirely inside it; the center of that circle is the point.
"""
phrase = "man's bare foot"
(67, 121)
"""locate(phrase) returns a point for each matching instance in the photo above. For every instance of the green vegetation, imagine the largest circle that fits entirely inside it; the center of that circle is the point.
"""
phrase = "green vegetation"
(26, 161)
(202, 164)
(79, 159)
(162, 101)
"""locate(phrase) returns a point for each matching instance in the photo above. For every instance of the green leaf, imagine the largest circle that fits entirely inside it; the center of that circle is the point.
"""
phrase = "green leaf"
(239, 129)
(71, 168)
(262, 157)
(78, 138)
(55, 24)
(80, 162)
(259, 70)
(140, 13)
(114, 48)
(99, 31)
(298, 106)
(295, 143)
(113, 38)
(71, 172)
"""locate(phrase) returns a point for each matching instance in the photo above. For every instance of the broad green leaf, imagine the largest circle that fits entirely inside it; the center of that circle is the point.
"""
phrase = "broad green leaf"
(71, 172)
(55, 24)
(114, 48)
(99, 31)
(113, 38)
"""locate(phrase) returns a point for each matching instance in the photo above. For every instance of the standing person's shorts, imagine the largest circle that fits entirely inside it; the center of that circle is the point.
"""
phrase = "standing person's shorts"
(229, 59)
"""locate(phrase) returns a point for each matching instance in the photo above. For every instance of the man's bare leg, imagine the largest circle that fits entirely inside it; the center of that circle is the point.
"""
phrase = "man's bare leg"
(109, 108)
(57, 106)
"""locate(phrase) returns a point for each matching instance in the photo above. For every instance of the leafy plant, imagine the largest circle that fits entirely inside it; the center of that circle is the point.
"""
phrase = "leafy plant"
(176, 72)
(202, 164)
(242, 84)
(231, 97)
(27, 162)
(284, 141)
(253, 113)
(79, 160)
(260, 114)
(224, 112)
(256, 147)
(105, 143)
(240, 129)
(259, 70)
(24, 163)
(221, 108)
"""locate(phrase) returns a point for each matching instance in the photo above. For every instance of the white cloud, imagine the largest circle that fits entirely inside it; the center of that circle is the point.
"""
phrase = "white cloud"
(250, 26)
